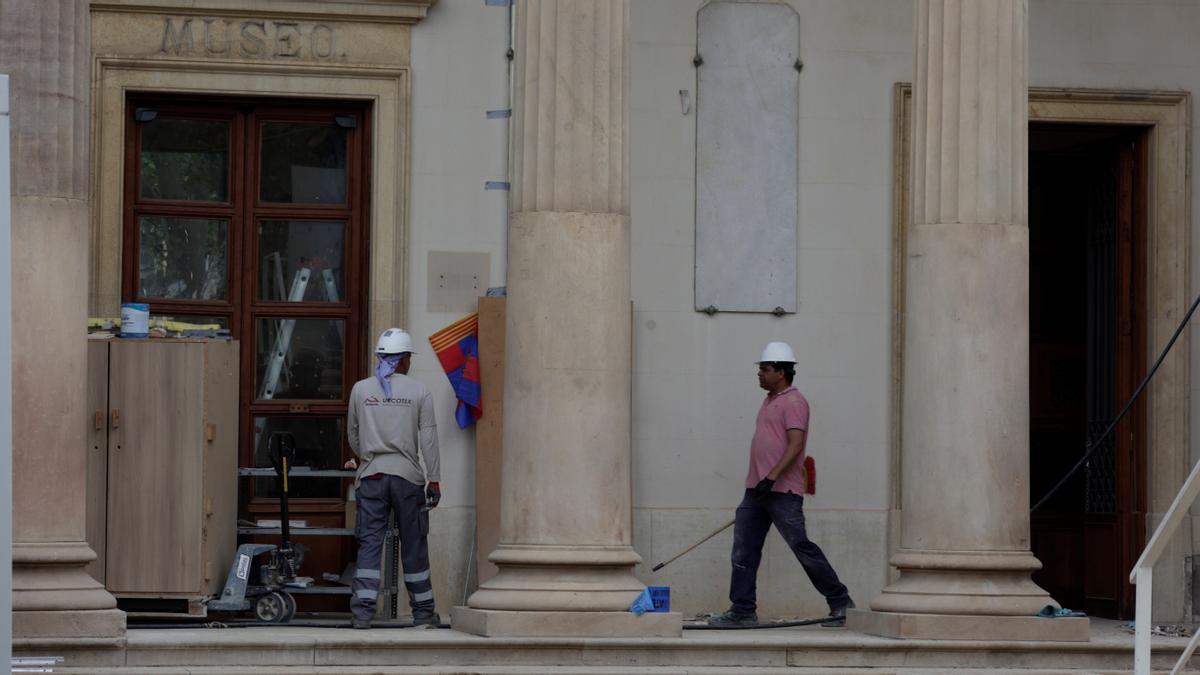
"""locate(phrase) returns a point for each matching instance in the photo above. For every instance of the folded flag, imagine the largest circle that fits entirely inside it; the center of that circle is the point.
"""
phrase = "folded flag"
(457, 347)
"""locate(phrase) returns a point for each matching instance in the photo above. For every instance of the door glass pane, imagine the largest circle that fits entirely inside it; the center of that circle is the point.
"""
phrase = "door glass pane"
(185, 159)
(318, 446)
(303, 163)
(182, 258)
(301, 261)
(299, 358)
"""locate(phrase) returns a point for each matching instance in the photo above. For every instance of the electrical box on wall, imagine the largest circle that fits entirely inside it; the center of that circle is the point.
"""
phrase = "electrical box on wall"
(456, 279)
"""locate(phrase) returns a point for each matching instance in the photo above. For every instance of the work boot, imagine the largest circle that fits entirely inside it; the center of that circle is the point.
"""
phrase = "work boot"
(837, 617)
(360, 624)
(427, 619)
(732, 619)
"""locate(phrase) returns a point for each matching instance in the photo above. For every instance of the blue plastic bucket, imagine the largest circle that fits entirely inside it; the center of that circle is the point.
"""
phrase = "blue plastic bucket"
(661, 597)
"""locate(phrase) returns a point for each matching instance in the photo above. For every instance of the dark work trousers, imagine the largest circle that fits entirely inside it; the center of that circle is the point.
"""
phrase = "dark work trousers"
(755, 517)
(376, 498)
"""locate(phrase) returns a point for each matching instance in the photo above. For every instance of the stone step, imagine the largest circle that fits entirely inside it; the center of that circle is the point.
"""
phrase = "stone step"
(296, 650)
(573, 670)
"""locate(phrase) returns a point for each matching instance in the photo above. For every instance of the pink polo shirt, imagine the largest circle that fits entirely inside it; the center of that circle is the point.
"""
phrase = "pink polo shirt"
(786, 410)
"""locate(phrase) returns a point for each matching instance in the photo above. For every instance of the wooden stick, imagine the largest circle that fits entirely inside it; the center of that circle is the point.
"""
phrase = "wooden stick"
(685, 551)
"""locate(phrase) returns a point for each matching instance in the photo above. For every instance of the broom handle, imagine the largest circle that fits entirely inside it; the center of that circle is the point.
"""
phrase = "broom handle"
(685, 551)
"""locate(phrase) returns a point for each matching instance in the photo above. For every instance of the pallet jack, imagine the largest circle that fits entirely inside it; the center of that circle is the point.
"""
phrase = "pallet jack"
(269, 597)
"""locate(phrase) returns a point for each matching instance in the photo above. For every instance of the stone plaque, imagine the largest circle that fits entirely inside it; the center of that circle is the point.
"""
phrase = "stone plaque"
(456, 279)
(747, 116)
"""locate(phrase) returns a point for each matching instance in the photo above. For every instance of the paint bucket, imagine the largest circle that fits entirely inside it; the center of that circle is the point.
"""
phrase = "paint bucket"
(135, 320)
(661, 597)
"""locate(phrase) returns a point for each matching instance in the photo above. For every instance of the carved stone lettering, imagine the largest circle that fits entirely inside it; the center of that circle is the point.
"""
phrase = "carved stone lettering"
(322, 41)
(216, 40)
(248, 38)
(253, 33)
(177, 37)
(287, 42)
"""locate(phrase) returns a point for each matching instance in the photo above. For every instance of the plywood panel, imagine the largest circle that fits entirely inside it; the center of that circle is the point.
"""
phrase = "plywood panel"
(220, 463)
(489, 433)
(155, 467)
(96, 424)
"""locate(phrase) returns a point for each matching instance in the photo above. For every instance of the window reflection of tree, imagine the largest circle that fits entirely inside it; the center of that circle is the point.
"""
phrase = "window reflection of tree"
(185, 160)
(182, 258)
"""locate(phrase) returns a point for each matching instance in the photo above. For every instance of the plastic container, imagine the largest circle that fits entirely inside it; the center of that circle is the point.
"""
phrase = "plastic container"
(135, 320)
(661, 596)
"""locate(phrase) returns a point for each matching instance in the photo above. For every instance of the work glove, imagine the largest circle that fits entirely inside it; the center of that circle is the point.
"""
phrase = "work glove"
(433, 495)
(763, 488)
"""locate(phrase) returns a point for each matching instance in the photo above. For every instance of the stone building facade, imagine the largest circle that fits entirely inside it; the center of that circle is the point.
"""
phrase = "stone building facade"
(915, 153)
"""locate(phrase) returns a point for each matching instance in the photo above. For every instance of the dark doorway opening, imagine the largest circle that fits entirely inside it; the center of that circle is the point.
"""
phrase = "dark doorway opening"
(1087, 333)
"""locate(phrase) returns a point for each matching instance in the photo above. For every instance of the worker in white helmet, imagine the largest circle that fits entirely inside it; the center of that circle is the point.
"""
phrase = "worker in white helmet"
(775, 496)
(390, 420)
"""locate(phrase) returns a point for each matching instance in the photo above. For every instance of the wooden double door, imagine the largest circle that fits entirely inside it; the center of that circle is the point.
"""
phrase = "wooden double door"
(1087, 220)
(252, 215)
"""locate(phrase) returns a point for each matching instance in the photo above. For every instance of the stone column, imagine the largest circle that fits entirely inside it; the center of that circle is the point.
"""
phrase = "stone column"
(565, 556)
(964, 558)
(45, 48)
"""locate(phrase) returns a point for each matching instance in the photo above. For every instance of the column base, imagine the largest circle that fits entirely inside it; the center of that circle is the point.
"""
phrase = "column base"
(960, 627)
(55, 599)
(571, 579)
(94, 628)
(504, 623)
(963, 583)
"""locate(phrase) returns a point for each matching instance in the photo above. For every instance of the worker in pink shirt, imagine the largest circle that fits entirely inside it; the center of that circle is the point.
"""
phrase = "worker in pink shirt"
(775, 496)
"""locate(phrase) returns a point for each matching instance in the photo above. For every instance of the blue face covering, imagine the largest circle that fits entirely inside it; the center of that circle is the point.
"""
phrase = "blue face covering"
(384, 369)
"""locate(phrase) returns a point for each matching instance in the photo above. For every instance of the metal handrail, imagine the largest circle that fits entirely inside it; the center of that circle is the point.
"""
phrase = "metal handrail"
(1143, 577)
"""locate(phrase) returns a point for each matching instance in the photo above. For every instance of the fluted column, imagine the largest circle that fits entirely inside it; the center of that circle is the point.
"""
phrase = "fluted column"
(965, 466)
(565, 556)
(44, 46)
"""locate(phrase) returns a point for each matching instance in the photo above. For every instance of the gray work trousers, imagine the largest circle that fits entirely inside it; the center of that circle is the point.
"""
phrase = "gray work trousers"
(376, 499)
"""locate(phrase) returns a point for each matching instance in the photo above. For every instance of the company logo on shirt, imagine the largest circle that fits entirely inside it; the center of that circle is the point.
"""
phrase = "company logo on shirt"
(375, 401)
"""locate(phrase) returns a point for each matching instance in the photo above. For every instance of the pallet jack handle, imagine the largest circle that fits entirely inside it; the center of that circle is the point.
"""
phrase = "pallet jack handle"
(281, 449)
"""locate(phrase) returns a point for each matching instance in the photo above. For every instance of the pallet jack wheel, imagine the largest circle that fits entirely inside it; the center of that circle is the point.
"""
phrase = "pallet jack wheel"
(290, 607)
(271, 607)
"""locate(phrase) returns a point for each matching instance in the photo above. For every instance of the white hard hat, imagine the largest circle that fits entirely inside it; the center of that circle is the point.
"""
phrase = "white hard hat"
(777, 352)
(394, 341)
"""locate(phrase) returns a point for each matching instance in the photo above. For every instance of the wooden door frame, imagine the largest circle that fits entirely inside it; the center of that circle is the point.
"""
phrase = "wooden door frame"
(385, 91)
(1129, 438)
(1167, 115)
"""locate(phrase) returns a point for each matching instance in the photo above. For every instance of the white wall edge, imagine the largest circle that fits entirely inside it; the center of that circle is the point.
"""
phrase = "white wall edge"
(6, 437)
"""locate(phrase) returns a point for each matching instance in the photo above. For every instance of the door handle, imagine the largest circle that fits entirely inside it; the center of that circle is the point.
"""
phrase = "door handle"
(115, 418)
(98, 420)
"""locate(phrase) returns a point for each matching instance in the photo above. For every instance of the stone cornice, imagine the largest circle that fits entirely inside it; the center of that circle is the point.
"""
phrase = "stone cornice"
(375, 11)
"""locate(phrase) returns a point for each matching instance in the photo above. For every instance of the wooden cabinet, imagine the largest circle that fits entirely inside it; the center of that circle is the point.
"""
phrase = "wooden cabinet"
(162, 469)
